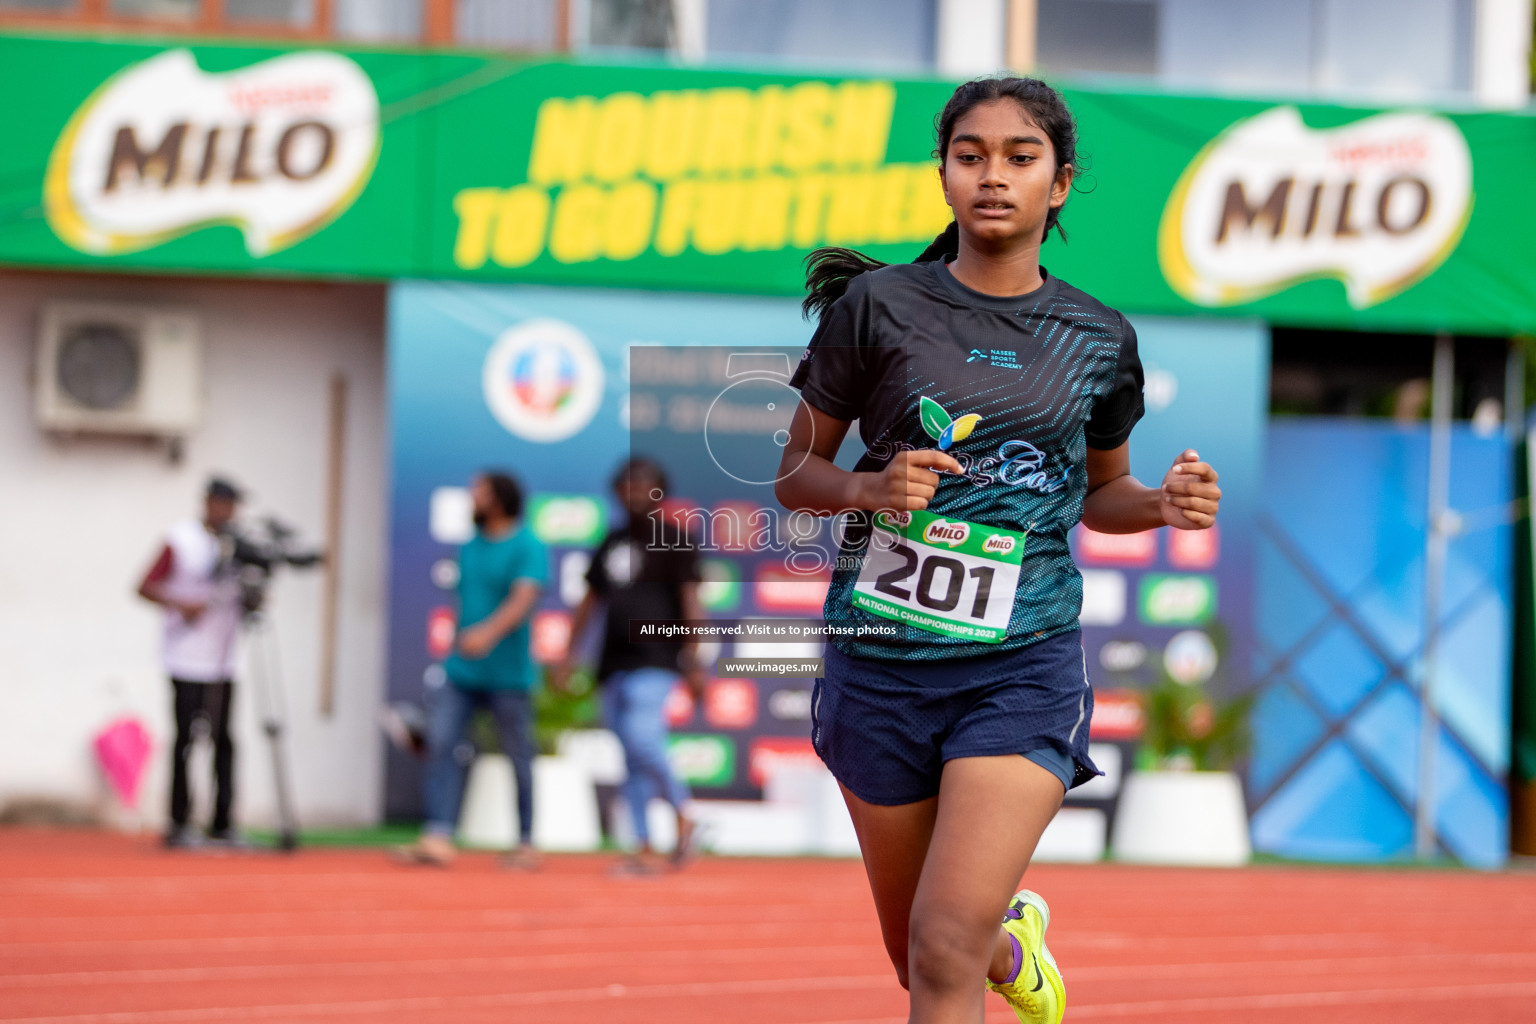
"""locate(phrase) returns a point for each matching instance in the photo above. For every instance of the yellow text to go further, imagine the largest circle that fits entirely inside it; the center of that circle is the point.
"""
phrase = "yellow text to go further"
(586, 221)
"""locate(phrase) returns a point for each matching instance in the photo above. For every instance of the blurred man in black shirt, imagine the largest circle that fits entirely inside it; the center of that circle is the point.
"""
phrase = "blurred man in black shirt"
(646, 568)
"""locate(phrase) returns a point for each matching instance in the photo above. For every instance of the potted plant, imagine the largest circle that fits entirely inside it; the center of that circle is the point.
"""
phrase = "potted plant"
(1183, 804)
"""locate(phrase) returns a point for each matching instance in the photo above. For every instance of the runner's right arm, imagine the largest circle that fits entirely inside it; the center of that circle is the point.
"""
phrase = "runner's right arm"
(809, 481)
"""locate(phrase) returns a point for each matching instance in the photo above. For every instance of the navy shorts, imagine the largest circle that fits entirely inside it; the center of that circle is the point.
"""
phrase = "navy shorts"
(885, 728)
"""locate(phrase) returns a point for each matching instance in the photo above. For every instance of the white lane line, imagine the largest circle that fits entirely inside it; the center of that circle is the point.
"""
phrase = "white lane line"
(1293, 1000)
(364, 968)
(616, 934)
(604, 994)
(610, 993)
(512, 929)
(1329, 965)
(762, 954)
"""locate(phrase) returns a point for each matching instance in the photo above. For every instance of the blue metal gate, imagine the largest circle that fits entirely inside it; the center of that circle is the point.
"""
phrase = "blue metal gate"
(1339, 641)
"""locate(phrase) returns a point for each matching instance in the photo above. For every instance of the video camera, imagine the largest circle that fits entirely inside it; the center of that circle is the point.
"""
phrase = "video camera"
(255, 558)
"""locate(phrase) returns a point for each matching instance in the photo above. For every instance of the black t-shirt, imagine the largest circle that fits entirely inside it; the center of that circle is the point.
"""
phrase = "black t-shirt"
(638, 571)
(1024, 385)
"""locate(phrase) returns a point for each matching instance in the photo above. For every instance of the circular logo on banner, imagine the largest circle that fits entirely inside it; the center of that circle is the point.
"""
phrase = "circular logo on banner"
(542, 380)
(1190, 657)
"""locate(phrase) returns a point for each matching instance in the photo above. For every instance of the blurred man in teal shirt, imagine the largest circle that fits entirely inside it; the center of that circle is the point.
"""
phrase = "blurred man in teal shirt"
(502, 571)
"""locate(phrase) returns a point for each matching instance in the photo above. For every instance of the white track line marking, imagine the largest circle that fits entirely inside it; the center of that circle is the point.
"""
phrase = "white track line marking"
(1292, 1000)
(762, 954)
(441, 965)
(604, 994)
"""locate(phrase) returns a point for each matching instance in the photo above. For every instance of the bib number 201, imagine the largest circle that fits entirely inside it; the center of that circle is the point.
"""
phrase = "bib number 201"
(945, 576)
(951, 571)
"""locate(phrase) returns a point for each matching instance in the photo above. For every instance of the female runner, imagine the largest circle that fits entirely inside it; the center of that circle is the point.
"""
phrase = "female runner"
(995, 402)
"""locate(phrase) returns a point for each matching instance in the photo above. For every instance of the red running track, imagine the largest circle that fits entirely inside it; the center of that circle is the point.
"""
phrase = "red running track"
(97, 929)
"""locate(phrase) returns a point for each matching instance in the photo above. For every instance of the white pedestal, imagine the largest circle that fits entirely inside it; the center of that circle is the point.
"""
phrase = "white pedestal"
(564, 805)
(753, 828)
(1190, 818)
(565, 814)
(810, 788)
(1075, 836)
(597, 750)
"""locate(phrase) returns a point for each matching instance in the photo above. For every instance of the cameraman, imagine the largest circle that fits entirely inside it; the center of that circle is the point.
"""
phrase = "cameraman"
(198, 586)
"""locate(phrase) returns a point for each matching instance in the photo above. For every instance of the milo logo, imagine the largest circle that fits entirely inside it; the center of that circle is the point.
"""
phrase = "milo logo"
(997, 544)
(277, 149)
(1271, 202)
(898, 519)
(942, 531)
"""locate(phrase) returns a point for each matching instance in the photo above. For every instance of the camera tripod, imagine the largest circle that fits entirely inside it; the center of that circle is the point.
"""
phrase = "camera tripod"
(266, 675)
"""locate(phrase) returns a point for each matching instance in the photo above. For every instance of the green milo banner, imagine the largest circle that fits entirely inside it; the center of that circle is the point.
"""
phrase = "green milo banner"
(315, 162)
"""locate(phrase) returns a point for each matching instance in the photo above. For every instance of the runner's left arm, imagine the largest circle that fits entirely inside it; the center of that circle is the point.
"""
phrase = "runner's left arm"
(1119, 503)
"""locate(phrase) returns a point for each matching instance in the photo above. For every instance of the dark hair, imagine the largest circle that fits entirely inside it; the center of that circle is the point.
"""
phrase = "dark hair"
(508, 494)
(828, 270)
(639, 465)
(221, 488)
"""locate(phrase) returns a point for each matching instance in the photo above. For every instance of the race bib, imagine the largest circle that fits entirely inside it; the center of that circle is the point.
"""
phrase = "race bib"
(947, 576)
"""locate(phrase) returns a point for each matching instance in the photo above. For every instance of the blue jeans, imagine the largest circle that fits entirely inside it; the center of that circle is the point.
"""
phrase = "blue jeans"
(450, 714)
(634, 706)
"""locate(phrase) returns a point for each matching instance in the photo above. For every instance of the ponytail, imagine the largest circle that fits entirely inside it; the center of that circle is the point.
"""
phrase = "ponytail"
(828, 270)
(946, 244)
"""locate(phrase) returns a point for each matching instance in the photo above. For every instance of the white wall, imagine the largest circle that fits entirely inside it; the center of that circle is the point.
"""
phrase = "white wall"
(972, 37)
(1501, 71)
(80, 520)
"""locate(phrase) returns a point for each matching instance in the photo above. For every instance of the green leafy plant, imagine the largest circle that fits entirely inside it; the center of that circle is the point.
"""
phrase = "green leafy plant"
(555, 711)
(1185, 727)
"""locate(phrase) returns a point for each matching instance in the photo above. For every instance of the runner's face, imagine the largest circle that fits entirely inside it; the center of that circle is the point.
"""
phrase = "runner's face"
(1000, 176)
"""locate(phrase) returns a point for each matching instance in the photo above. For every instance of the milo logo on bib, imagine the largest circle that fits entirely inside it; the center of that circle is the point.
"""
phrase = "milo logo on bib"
(942, 531)
(997, 544)
(946, 576)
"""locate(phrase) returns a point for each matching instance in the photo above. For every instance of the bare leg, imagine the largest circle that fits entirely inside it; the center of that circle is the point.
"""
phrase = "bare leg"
(894, 841)
(991, 813)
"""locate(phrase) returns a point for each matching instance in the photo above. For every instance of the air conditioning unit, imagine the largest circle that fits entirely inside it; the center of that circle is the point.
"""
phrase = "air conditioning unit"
(119, 369)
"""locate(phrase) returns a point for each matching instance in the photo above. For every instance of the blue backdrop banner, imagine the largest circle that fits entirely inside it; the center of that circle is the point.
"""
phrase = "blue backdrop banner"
(558, 385)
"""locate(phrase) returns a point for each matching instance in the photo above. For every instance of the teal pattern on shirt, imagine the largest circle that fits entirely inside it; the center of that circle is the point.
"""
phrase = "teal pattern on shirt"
(487, 570)
(909, 352)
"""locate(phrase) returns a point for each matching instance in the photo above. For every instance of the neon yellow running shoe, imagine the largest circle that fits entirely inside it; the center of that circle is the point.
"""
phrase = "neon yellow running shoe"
(1035, 991)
